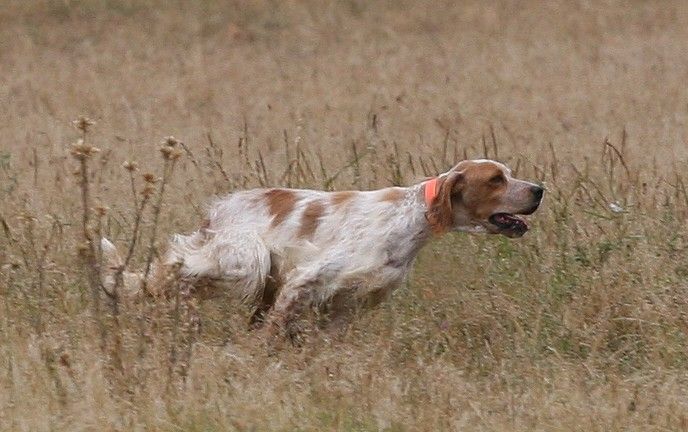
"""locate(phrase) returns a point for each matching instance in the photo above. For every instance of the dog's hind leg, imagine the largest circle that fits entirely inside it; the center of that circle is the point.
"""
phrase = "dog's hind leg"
(301, 291)
(273, 283)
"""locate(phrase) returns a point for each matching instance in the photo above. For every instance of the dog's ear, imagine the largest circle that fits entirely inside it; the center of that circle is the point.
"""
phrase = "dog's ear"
(440, 214)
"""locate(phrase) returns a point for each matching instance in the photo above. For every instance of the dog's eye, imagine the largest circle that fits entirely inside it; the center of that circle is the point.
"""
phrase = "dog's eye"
(497, 179)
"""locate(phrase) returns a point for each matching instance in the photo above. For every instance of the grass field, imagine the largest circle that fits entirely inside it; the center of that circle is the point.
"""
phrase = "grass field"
(580, 325)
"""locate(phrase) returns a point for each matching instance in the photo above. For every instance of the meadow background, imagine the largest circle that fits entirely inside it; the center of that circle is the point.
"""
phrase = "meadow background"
(580, 325)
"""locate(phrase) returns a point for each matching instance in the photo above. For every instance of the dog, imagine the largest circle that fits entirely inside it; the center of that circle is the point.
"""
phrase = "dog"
(287, 251)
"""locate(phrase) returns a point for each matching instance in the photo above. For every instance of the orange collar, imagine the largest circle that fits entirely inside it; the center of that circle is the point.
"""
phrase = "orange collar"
(430, 191)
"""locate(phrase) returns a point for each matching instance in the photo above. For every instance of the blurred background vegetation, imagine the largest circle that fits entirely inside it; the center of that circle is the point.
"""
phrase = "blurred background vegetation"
(580, 325)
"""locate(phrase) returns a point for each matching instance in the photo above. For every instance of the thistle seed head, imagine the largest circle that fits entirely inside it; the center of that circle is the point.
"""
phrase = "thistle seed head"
(148, 191)
(80, 150)
(130, 166)
(83, 123)
(169, 148)
(166, 151)
(170, 153)
(150, 178)
(170, 141)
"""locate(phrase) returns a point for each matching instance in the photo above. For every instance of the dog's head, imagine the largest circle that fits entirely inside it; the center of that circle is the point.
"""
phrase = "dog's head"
(481, 196)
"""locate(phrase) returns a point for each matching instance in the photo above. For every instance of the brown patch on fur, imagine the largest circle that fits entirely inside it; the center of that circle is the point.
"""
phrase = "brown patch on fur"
(281, 202)
(393, 195)
(340, 198)
(440, 214)
(311, 218)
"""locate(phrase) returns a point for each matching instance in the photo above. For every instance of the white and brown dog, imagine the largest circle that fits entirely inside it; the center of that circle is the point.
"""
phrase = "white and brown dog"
(288, 250)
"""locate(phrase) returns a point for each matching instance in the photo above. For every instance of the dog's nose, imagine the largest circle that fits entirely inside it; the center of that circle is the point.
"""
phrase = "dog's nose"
(537, 191)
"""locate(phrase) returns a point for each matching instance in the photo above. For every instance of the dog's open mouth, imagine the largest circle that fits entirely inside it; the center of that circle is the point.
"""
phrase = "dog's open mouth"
(509, 224)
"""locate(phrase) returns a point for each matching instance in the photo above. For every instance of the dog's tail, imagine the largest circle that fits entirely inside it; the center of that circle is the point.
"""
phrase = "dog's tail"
(237, 262)
(111, 258)
(112, 264)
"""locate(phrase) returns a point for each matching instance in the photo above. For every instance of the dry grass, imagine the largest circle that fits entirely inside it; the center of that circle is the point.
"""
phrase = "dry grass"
(581, 325)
